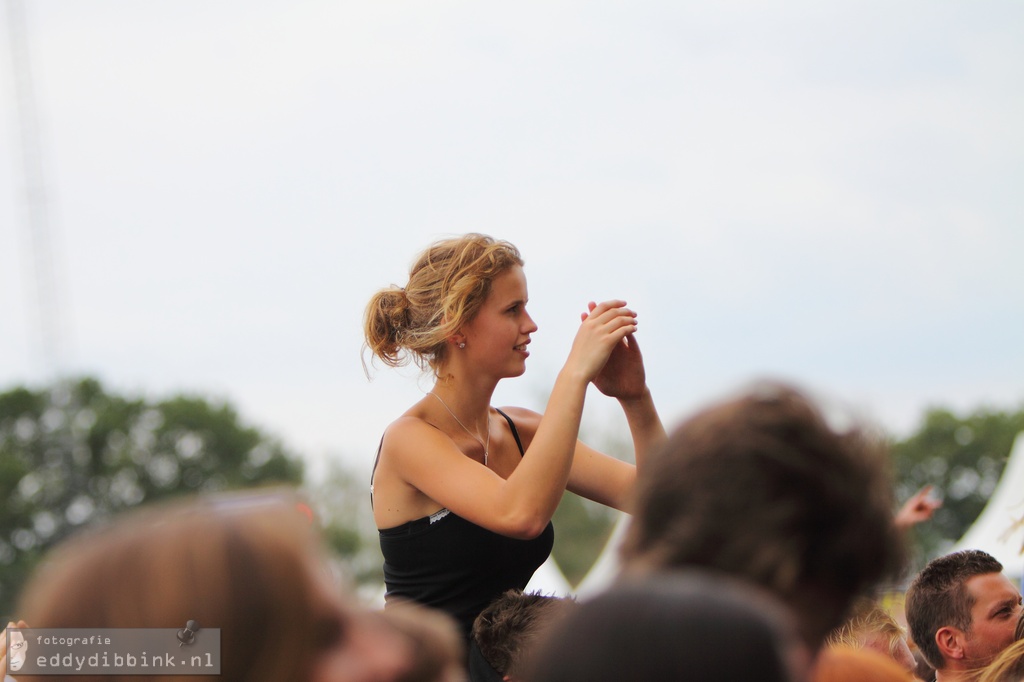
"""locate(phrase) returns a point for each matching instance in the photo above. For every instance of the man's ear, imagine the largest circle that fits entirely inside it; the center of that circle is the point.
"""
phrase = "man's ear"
(950, 642)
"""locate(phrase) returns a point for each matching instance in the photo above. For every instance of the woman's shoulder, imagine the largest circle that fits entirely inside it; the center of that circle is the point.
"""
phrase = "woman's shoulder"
(409, 426)
(414, 421)
(410, 433)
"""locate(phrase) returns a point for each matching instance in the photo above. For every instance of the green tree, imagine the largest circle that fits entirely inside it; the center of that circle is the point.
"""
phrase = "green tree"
(73, 454)
(963, 457)
(345, 515)
(582, 527)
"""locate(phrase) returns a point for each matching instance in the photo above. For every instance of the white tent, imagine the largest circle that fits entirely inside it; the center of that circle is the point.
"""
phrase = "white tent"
(549, 578)
(606, 568)
(999, 529)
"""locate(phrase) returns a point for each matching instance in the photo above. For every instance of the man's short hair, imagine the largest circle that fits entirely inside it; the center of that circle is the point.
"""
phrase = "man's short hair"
(761, 487)
(938, 598)
(506, 631)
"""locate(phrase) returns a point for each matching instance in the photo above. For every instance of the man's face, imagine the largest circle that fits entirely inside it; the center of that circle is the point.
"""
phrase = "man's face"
(997, 605)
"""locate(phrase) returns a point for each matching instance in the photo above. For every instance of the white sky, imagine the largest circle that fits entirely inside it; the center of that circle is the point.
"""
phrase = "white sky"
(831, 193)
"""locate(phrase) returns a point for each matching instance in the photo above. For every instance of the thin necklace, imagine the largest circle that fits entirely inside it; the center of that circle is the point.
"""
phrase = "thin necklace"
(486, 446)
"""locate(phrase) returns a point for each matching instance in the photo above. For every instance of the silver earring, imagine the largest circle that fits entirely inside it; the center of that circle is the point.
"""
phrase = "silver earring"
(462, 344)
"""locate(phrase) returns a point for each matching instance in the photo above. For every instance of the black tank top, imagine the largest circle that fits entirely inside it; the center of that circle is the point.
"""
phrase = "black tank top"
(448, 563)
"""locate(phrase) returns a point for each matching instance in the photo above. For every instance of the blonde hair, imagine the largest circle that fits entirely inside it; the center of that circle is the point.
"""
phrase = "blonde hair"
(242, 564)
(447, 285)
(1008, 666)
(843, 664)
(867, 618)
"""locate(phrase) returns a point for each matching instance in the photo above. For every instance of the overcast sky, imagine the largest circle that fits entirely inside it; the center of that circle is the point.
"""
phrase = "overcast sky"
(830, 193)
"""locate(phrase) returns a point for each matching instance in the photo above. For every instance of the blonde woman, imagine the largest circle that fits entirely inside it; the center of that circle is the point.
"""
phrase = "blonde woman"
(463, 493)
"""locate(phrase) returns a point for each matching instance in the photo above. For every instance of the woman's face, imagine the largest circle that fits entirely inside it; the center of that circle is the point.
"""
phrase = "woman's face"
(497, 337)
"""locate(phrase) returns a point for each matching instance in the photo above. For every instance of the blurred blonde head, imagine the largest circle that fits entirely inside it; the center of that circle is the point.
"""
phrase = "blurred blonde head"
(846, 664)
(872, 627)
(247, 564)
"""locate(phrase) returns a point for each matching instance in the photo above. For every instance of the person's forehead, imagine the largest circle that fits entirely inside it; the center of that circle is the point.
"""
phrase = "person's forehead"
(991, 587)
(510, 283)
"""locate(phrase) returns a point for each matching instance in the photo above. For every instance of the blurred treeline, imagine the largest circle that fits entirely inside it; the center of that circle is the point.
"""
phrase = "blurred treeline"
(74, 454)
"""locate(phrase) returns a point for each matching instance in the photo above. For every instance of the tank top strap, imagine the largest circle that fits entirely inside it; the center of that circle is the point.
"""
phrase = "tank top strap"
(376, 461)
(511, 425)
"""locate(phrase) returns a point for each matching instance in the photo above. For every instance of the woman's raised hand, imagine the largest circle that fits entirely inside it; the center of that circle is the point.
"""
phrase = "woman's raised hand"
(602, 330)
(623, 376)
(919, 508)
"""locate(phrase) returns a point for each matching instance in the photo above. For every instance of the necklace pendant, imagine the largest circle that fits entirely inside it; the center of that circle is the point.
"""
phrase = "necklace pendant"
(485, 445)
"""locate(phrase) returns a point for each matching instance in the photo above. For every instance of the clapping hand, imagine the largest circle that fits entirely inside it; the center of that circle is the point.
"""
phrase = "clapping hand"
(623, 375)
